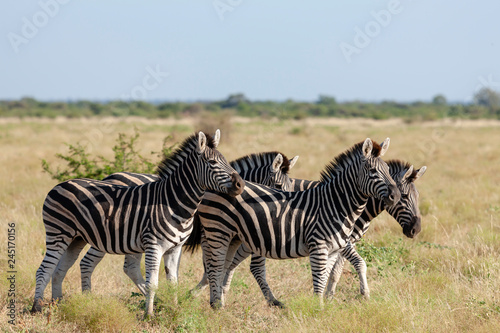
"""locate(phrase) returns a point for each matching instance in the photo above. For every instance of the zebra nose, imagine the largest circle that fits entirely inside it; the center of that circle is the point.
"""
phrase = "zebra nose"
(417, 225)
(237, 180)
(237, 185)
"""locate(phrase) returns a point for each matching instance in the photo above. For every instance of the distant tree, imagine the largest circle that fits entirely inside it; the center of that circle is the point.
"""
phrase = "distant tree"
(439, 100)
(326, 100)
(487, 97)
(234, 100)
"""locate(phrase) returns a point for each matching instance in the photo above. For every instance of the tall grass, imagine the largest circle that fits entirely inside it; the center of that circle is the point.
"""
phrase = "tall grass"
(445, 280)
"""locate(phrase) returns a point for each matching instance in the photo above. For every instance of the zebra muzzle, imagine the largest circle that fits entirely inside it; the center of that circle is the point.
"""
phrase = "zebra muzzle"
(237, 185)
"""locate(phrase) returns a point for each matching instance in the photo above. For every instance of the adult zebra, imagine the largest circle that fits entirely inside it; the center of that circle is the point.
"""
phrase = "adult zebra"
(406, 212)
(151, 218)
(268, 168)
(283, 225)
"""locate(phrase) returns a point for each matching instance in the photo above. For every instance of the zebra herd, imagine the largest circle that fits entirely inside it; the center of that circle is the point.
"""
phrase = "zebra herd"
(232, 210)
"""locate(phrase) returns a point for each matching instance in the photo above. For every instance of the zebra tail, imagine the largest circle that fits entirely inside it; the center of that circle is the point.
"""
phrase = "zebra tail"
(193, 242)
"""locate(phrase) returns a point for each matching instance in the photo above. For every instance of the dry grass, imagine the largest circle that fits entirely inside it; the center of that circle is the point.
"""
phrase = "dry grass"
(446, 280)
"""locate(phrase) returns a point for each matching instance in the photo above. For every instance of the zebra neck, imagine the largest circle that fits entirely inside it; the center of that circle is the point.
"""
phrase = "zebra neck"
(345, 199)
(373, 208)
(181, 191)
(250, 175)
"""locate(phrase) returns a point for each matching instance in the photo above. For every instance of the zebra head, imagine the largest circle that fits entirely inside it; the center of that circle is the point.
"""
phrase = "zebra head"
(215, 173)
(278, 173)
(374, 178)
(406, 210)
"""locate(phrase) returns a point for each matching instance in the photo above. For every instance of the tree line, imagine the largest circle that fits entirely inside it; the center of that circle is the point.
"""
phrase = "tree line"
(485, 104)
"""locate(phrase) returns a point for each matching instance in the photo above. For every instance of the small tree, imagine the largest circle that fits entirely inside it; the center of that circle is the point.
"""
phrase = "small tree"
(234, 100)
(126, 158)
(487, 97)
(439, 100)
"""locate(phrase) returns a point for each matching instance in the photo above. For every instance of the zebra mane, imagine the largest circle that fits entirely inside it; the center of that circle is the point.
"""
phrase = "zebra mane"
(343, 160)
(174, 160)
(396, 167)
(259, 159)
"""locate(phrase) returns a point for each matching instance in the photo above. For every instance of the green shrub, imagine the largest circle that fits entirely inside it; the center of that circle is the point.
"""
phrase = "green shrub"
(79, 163)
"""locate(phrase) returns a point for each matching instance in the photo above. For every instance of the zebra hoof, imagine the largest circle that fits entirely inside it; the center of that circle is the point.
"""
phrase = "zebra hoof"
(277, 304)
(216, 305)
(37, 307)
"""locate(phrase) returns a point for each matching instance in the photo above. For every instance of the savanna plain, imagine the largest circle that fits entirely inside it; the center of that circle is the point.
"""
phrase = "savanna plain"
(447, 279)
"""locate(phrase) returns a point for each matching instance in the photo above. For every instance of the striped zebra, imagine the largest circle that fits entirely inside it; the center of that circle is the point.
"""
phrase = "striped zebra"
(406, 212)
(150, 218)
(284, 225)
(269, 168)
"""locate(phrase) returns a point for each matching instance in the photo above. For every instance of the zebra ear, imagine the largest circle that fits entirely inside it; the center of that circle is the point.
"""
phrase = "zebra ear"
(293, 161)
(202, 142)
(367, 147)
(420, 173)
(384, 146)
(408, 173)
(278, 161)
(216, 138)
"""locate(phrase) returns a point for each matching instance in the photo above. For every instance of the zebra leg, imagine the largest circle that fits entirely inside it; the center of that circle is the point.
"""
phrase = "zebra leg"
(321, 265)
(335, 276)
(258, 269)
(87, 265)
(231, 250)
(203, 284)
(171, 260)
(359, 264)
(55, 249)
(241, 254)
(153, 258)
(132, 267)
(67, 260)
(215, 256)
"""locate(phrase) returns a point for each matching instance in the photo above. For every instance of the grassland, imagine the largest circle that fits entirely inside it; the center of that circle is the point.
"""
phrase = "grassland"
(445, 280)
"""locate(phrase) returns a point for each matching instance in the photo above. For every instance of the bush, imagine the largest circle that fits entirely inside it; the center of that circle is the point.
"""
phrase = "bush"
(93, 313)
(126, 158)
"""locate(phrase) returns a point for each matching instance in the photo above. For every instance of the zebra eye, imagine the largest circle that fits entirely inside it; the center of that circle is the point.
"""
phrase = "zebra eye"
(373, 171)
(212, 162)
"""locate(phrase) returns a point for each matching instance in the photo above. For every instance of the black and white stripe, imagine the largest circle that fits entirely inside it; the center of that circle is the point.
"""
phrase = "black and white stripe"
(150, 218)
(405, 212)
(269, 168)
(281, 225)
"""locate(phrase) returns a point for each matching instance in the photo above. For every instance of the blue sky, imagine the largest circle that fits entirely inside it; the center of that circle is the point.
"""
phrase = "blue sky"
(205, 50)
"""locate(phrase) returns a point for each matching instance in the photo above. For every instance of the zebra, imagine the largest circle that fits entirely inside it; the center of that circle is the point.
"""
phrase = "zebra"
(406, 212)
(268, 168)
(284, 225)
(150, 218)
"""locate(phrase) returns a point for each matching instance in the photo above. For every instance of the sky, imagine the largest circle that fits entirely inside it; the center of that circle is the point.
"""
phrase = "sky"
(400, 50)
